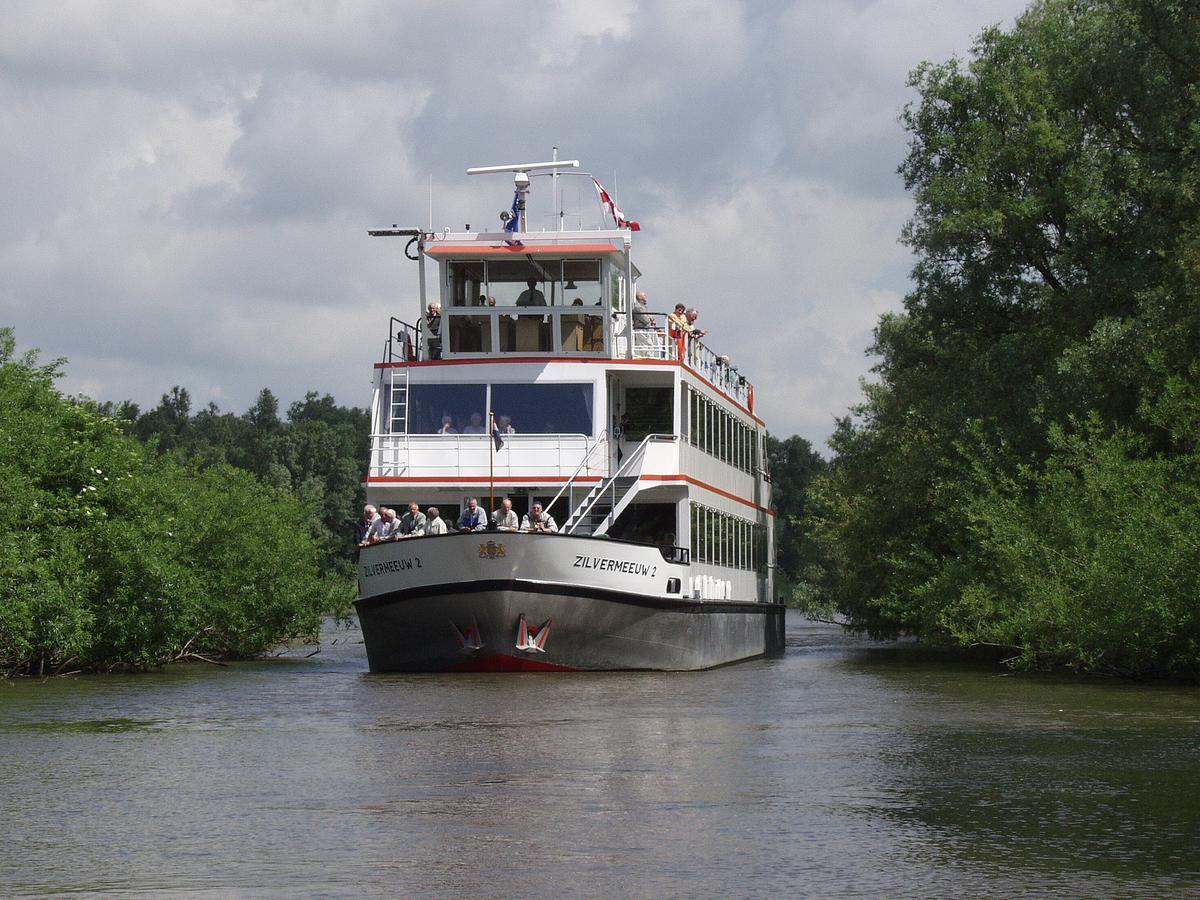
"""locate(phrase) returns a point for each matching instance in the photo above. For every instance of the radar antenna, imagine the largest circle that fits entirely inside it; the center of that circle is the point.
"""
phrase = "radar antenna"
(521, 182)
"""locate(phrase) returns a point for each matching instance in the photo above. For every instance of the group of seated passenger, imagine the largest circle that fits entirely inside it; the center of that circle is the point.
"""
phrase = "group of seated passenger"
(474, 425)
(378, 526)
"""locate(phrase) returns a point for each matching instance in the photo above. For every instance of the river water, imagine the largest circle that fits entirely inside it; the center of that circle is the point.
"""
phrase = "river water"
(844, 767)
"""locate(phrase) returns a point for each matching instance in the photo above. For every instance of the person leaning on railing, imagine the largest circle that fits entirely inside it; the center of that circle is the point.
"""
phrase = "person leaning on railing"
(472, 518)
(537, 521)
(432, 325)
(363, 526)
(384, 527)
(504, 519)
(412, 523)
(435, 524)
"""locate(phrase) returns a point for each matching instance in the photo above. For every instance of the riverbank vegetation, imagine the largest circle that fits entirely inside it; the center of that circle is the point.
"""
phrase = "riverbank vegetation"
(1024, 470)
(113, 555)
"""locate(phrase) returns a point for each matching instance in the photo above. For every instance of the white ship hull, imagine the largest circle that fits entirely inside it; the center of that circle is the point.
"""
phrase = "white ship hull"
(518, 602)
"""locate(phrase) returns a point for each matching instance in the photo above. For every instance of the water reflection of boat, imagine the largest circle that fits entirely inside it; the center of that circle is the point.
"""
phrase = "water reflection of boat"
(540, 384)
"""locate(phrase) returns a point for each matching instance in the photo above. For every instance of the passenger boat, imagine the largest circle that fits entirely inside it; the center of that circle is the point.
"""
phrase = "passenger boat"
(543, 383)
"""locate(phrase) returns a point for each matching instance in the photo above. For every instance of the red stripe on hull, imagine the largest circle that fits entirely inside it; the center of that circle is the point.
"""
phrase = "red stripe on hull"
(502, 662)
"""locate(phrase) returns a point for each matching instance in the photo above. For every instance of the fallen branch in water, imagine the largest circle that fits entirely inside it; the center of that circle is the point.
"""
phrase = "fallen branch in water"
(212, 662)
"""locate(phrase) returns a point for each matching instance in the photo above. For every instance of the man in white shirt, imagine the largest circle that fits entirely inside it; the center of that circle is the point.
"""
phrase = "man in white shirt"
(434, 523)
(538, 521)
(504, 518)
(384, 527)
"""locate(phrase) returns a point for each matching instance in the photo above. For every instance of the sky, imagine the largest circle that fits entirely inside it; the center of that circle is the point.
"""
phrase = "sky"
(187, 186)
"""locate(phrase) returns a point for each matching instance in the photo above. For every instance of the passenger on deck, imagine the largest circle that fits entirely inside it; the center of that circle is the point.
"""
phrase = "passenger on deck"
(504, 425)
(472, 518)
(433, 331)
(434, 523)
(504, 519)
(531, 296)
(447, 426)
(475, 426)
(363, 526)
(677, 320)
(383, 528)
(536, 520)
(641, 318)
(412, 523)
(692, 315)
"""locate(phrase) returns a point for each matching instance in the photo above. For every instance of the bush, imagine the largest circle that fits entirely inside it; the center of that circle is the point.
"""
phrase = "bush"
(111, 557)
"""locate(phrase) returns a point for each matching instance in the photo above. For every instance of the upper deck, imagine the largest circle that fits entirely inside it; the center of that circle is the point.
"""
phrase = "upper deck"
(549, 295)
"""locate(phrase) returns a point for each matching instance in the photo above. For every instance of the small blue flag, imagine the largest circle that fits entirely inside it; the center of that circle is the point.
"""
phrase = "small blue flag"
(514, 224)
(496, 439)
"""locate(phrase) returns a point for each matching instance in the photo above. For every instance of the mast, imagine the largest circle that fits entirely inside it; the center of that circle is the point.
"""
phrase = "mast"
(521, 179)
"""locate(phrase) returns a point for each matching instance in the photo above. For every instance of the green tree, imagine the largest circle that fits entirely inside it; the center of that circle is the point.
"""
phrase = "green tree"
(115, 556)
(793, 464)
(1056, 299)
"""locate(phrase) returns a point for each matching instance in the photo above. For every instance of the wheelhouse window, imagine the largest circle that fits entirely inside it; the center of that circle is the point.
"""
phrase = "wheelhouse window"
(524, 282)
(579, 283)
(544, 408)
(470, 334)
(466, 283)
(447, 409)
(520, 283)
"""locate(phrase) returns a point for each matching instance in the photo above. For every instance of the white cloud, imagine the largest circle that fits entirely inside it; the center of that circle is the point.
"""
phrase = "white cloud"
(193, 181)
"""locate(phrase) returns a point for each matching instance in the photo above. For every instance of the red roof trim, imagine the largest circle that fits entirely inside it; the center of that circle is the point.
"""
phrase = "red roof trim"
(471, 250)
(475, 479)
(480, 360)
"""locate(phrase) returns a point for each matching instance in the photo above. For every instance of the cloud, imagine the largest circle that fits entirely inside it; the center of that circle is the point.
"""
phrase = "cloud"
(194, 180)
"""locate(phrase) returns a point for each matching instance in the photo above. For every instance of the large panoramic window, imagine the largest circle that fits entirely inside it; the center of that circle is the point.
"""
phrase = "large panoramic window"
(544, 408)
(509, 281)
(448, 408)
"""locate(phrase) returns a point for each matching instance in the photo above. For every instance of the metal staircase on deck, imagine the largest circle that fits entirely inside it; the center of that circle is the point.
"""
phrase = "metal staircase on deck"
(606, 501)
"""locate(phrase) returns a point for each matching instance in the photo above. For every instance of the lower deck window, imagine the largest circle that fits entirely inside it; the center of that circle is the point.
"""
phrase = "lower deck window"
(726, 540)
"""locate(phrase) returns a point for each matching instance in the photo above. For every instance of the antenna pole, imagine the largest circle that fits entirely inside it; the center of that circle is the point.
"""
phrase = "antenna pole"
(557, 204)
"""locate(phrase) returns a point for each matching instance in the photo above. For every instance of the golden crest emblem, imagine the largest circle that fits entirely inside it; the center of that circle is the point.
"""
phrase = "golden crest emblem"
(491, 550)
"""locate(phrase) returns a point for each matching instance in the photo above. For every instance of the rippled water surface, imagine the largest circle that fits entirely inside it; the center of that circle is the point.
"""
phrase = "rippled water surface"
(841, 768)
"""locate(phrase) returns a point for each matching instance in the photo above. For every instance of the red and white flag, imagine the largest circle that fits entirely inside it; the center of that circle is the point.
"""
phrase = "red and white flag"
(607, 202)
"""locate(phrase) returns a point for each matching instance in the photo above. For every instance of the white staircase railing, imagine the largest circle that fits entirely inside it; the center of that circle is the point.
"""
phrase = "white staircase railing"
(607, 500)
(601, 441)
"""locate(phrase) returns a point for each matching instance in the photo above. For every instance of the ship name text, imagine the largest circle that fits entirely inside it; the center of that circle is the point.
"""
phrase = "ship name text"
(605, 564)
(391, 565)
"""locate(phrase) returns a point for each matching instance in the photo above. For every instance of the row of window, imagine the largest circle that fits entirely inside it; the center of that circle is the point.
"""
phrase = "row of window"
(725, 540)
(709, 427)
(524, 282)
(558, 408)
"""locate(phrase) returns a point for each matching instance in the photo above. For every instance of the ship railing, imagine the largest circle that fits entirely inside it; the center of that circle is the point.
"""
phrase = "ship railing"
(655, 337)
(601, 441)
(718, 370)
(622, 485)
(523, 455)
(403, 343)
(651, 337)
